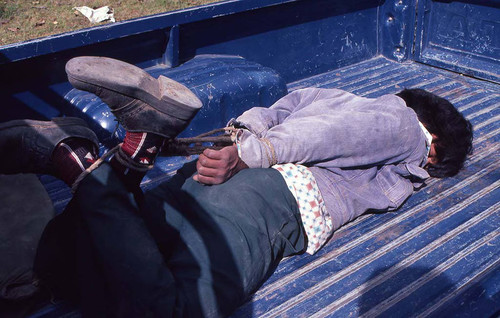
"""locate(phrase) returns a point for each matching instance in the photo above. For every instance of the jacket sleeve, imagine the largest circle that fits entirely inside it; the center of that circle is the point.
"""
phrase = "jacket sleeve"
(345, 139)
(259, 120)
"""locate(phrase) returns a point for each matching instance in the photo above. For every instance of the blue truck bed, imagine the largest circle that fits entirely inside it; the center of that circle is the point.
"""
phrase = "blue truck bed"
(439, 254)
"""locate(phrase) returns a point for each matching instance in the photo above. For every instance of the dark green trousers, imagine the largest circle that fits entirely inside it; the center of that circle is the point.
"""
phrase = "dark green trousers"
(181, 249)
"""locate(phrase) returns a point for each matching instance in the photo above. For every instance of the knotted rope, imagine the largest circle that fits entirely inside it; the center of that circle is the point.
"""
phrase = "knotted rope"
(214, 139)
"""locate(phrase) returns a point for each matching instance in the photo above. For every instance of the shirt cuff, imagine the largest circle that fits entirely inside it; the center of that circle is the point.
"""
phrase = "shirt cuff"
(256, 153)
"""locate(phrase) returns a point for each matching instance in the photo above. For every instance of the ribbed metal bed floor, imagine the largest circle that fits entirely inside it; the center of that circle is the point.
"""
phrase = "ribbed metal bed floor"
(438, 255)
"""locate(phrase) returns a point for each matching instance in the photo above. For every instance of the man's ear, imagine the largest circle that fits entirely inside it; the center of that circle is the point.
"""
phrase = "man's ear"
(432, 158)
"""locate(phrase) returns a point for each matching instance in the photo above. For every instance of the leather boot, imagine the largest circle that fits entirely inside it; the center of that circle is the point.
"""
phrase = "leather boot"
(27, 145)
(140, 102)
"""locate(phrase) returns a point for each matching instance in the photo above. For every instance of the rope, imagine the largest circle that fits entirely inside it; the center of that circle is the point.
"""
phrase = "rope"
(174, 147)
(271, 159)
(94, 166)
(196, 145)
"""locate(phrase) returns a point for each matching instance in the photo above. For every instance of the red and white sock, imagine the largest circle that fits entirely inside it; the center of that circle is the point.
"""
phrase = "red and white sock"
(142, 149)
(71, 157)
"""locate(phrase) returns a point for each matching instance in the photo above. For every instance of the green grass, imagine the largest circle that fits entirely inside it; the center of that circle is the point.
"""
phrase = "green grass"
(22, 20)
(7, 10)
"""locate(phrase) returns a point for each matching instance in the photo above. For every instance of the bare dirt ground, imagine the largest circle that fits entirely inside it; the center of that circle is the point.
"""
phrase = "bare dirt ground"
(22, 20)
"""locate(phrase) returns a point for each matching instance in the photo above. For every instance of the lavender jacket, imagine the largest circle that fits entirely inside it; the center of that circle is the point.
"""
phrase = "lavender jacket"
(366, 154)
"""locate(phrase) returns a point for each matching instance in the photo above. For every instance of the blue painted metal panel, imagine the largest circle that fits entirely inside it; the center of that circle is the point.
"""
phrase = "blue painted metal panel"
(396, 29)
(463, 36)
(297, 39)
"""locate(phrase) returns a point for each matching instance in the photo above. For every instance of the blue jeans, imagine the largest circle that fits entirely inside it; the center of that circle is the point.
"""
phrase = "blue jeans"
(182, 249)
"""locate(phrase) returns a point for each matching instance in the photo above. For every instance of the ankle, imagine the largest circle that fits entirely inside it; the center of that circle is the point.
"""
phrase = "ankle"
(142, 147)
(71, 157)
(136, 155)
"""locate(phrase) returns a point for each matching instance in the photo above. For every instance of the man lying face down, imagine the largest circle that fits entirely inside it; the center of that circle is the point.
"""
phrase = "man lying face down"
(200, 243)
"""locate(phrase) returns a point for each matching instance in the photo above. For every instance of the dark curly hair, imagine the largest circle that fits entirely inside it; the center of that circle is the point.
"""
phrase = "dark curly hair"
(453, 131)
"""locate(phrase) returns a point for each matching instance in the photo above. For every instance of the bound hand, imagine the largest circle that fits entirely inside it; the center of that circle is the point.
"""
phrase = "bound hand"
(218, 166)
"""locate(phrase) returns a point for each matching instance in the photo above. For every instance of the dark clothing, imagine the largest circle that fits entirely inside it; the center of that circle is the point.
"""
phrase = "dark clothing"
(182, 249)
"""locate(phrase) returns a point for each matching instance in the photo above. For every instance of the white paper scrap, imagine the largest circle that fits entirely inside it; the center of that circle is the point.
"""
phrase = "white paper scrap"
(97, 15)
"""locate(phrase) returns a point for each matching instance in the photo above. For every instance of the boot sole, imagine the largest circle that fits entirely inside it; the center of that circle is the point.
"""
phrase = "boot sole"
(163, 94)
